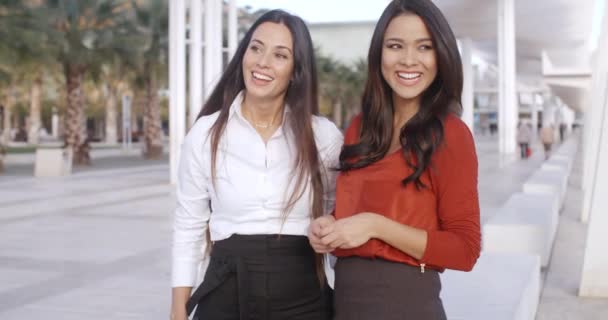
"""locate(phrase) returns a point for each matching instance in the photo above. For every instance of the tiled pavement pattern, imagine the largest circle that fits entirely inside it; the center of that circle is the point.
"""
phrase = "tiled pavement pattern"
(95, 245)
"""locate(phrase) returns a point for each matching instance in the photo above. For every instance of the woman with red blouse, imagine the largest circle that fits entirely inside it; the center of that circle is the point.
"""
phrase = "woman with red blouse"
(407, 204)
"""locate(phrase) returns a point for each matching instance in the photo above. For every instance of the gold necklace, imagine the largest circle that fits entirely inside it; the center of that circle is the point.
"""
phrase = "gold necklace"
(261, 125)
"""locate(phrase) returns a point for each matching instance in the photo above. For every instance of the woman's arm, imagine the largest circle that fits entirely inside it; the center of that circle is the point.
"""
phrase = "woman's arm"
(457, 242)
(354, 231)
(330, 141)
(190, 223)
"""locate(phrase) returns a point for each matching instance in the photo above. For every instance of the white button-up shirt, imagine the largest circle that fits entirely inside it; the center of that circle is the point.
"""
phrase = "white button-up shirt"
(253, 183)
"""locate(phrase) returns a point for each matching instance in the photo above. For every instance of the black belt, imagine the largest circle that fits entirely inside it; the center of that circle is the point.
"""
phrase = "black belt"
(227, 267)
(242, 255)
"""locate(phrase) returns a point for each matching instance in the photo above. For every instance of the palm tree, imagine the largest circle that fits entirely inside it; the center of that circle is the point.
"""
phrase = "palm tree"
(83, 32)
(114, 83)
(325, 70)
(11, 26)
(152, 23)
(6, 105)
(355, 80)
(341, 85)
(7, 100)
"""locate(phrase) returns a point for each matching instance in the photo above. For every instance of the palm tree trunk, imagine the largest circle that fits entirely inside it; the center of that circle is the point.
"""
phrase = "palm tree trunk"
(5, 136)
(350, 114)
(337, 113)
(2, 151)
(111, 116)
(8, 108)
(35, 105)
(75, 133)
(6, 133)
(152, 131)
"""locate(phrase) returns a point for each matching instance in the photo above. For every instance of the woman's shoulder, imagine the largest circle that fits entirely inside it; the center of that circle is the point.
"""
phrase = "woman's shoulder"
(352, 132)
(200, 128)
(325, 129)
(454, 129)
(458, 142)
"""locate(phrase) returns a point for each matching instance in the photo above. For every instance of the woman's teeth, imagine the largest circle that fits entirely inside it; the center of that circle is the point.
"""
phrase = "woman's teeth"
(261, 76)
(409, 76)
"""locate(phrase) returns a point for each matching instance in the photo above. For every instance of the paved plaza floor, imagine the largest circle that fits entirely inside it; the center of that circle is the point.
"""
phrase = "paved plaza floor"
(95, 245)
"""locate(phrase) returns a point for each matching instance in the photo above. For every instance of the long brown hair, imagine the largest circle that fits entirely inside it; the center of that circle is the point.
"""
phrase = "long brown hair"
(423, 133)
(300, 98)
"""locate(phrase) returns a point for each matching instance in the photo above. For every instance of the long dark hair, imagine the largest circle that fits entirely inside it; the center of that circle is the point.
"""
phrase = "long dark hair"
(423, 133)
(300, 98)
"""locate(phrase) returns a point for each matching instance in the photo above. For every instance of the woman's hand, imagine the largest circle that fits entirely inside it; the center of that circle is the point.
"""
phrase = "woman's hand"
(178, 314)
(179, 297)
(315, 233)
(349, 232)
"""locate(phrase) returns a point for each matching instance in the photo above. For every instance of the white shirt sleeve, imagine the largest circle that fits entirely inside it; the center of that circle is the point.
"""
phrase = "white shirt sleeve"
(330, 155)
(191, 217)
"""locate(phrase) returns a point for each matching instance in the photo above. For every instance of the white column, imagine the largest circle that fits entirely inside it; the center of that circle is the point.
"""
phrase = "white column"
(534, 115)
(232, 28)
(508, 108)
(196, 59)
(466, 49)
(177, 81)
(213, 44)
(588, 131)
(593, 124)
(55, 124)
(594, 280)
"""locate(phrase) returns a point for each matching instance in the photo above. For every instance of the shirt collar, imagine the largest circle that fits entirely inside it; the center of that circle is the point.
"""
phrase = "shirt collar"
(236, 110)
(235, 107)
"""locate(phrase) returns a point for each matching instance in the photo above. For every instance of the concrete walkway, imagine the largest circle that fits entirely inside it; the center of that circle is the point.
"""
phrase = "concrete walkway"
(95, 245)
(559, 298)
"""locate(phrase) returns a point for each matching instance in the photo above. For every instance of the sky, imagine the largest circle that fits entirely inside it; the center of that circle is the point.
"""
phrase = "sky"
(324, 10)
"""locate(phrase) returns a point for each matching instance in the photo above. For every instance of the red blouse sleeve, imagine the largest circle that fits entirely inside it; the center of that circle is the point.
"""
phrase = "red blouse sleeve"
(457, 243)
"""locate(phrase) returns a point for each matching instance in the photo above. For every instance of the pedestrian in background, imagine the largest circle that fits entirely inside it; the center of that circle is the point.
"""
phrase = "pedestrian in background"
(524, 136)
(547, 136)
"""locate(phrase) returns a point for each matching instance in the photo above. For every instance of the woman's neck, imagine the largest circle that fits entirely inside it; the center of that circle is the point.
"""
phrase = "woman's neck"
(263, 112)
(404, 110)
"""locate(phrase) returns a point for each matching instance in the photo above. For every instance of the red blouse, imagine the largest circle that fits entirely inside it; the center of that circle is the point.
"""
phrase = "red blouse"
(448, 209)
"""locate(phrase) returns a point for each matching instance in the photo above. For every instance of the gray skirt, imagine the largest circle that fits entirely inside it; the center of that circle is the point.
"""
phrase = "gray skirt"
(367, 289)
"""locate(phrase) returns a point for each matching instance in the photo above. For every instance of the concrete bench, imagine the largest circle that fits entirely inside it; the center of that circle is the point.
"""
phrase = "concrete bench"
(53, 162)
(501, 287)
(568, 148)
(548, 182)
(560, 159)
(526, 223)
(558, 162)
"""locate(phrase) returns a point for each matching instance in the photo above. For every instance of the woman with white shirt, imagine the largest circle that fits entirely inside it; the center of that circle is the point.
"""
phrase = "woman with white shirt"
(255, 169)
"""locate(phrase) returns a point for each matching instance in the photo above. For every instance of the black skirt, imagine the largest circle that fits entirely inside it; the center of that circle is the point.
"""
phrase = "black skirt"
(377, 289)
(263, 277)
